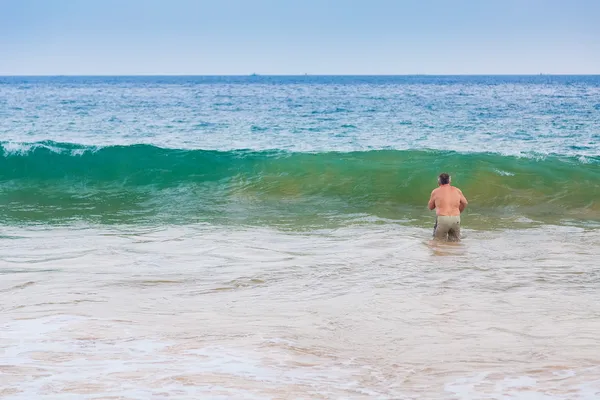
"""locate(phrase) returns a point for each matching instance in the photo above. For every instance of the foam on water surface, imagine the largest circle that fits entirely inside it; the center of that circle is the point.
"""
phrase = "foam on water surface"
(361, 312)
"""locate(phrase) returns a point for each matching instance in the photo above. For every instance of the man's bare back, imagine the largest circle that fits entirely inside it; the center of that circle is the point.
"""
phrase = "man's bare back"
(448, 202)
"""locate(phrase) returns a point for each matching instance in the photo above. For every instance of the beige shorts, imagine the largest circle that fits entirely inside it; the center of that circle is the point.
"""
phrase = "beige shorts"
(447, 228)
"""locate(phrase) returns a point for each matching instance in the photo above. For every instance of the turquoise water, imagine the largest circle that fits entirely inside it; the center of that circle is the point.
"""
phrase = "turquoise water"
(144, 184)
(297, 150)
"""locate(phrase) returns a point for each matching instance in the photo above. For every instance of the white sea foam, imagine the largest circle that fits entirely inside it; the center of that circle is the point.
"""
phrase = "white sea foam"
(20, 148)
(504, 173)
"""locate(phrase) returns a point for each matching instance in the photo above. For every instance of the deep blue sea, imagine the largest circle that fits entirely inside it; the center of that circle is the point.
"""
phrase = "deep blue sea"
(509, 115)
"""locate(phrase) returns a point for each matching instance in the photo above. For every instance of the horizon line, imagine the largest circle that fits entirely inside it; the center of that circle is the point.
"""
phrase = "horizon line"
(292, 75)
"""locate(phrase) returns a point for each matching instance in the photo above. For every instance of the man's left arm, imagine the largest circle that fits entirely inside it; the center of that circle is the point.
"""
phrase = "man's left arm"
(463, 201)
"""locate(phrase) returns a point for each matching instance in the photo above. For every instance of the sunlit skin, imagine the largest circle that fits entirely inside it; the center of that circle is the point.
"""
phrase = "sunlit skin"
(447, 200)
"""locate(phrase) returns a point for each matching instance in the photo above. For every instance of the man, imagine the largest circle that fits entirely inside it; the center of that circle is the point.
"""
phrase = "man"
(449, 203)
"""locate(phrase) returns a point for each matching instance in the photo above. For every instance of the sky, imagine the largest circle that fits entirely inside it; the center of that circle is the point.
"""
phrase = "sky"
(290, 37)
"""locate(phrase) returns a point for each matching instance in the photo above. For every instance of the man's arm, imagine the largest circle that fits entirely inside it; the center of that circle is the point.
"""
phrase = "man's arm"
(431, 203)
(463, 201)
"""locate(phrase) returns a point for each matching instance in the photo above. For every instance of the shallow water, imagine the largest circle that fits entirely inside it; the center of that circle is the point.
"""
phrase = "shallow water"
(371, 311)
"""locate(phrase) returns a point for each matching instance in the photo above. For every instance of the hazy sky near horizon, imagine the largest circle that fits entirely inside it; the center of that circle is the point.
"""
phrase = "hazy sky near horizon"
(202, 37)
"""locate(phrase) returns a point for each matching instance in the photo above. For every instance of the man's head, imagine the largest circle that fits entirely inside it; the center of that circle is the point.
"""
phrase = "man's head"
(444, 179)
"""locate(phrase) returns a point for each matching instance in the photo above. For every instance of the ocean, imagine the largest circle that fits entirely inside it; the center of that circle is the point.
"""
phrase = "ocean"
(268, 237)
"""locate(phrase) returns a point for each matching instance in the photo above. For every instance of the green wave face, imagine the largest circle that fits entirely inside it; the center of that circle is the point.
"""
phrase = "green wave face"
(56, 183)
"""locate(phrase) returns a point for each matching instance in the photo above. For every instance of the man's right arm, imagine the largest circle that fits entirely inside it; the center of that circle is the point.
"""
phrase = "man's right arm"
(431, 203)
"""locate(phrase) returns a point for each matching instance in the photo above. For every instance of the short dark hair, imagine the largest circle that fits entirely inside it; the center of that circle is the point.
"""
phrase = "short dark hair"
(444, 179)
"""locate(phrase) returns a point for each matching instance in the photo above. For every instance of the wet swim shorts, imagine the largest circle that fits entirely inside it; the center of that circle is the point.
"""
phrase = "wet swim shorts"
(447, 228)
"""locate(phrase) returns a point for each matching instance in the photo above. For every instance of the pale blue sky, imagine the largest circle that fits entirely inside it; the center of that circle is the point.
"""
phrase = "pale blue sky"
(202, 37)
